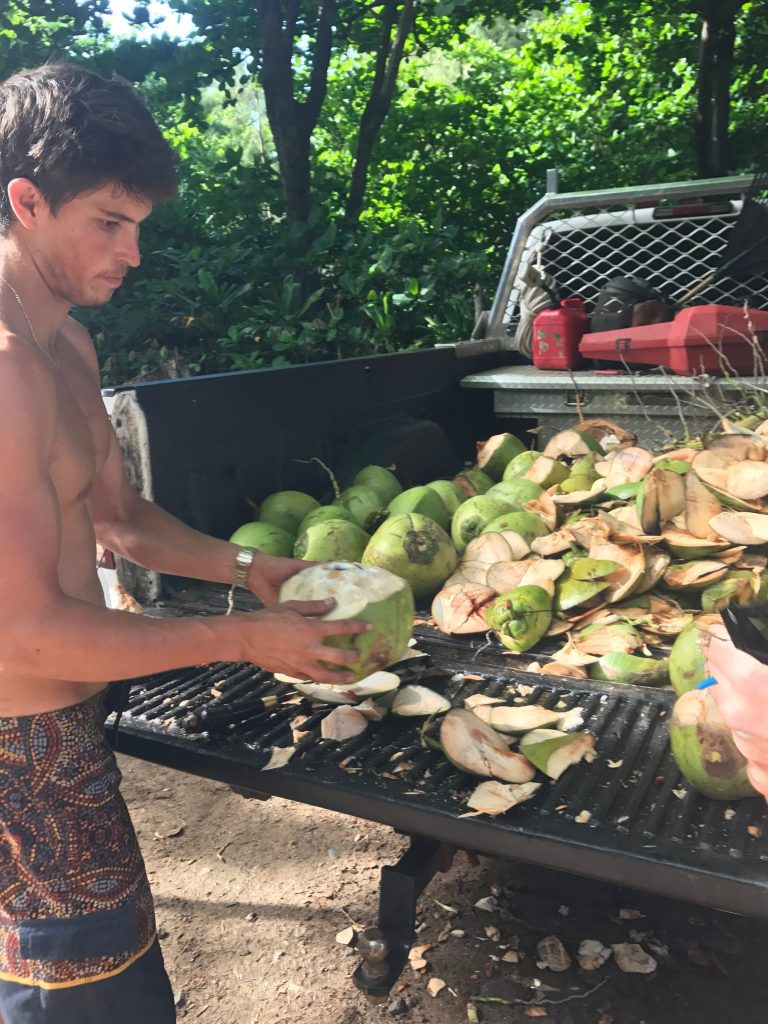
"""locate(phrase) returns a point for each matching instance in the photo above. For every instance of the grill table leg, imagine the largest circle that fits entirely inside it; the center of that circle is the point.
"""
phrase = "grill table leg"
(384, 950)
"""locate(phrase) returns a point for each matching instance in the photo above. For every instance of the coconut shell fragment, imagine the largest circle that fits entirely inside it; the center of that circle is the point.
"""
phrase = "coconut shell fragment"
(514, 721)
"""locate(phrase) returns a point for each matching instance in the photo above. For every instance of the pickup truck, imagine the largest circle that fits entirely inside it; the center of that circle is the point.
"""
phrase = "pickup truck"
(203, 447)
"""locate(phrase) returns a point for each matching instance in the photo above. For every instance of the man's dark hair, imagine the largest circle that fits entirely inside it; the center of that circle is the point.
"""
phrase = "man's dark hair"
(71, 131)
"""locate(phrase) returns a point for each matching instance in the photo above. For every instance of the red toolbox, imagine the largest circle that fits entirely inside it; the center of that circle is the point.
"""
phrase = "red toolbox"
(701, 339)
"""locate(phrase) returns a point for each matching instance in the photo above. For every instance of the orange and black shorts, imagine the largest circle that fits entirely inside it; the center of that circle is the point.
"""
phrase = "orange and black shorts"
(77, 924)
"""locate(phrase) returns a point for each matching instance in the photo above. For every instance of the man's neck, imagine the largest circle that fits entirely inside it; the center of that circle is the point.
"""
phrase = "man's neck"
(26, 297)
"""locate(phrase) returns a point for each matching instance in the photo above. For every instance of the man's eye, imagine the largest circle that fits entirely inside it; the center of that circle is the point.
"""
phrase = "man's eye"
(109, 225)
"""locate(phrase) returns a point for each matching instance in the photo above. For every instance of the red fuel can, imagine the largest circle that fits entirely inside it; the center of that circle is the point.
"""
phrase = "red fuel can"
(556, 335)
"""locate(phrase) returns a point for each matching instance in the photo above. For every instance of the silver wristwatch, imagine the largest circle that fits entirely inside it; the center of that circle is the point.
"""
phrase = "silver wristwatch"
(243, 562)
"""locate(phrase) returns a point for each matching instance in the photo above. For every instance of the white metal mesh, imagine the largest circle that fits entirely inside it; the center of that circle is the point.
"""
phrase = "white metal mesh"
(583, 251)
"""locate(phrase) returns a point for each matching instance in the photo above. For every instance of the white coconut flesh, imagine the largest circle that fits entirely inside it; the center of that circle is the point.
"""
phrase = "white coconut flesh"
(413, 701)
(518, 720)
(477, 749)
(354, 587)
(553, 751)
(497, 797)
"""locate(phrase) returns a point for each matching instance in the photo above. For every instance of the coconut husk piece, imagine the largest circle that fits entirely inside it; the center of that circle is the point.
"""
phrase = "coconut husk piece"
(514, 721)
(554, 543)
(460, 608)
(545, 508)
(656, 563)
(747, 480)
(478, 749)
(625, 466)
(615, 636)
(749, 528)
(604, 428)
(694, 575)
(489, 548)
(497, 797)
(552, 751)
(625, 580)
(559, 668)
(504, 576)
(701, 506)
(469, 572)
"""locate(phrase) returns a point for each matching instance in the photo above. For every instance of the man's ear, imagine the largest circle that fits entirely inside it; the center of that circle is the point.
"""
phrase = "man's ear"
(27, 202)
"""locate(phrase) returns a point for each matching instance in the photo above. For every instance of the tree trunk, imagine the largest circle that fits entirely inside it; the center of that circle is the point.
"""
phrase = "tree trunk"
(388, 58)
(292, 121)
(716, 46)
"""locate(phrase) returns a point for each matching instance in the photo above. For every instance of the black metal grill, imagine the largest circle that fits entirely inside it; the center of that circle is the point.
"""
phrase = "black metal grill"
(645, 827)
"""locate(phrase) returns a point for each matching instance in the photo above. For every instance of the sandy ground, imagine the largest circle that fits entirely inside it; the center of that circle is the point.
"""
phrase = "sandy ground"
(251, 895)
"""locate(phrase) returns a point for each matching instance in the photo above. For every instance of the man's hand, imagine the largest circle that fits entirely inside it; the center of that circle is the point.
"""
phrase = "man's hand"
(742, 696)
(289, 638)
(268, 573)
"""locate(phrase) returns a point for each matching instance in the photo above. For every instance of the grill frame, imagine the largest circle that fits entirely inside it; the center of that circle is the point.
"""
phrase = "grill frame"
(682, 848)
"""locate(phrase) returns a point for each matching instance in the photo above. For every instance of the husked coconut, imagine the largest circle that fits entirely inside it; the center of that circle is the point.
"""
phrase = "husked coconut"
(361, 592)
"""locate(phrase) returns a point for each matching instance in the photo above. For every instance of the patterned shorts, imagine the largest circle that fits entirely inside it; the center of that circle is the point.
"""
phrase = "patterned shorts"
(75, 903)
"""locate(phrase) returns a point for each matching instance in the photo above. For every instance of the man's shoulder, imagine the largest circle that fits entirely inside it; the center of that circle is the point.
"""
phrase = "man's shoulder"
(78, 338)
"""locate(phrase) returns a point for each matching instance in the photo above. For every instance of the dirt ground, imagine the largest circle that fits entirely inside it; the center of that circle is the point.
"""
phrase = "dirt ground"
(251, 895)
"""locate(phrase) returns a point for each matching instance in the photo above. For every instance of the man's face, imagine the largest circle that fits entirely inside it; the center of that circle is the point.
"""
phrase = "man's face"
(85, 249)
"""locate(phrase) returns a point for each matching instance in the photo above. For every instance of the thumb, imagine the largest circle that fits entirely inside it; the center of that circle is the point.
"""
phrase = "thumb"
(311, 609)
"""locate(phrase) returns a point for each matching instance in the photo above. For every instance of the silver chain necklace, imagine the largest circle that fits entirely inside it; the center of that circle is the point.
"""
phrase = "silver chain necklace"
(55, 363)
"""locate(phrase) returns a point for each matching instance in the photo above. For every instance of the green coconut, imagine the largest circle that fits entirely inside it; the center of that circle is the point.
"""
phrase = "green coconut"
(381, 480)
(364, 504)
(422, 500)
(473, 516)
(334, 541)
(361, 592)
(324, 514)
(495, 454)
(286, 509)
(272, 540)
(450, 494)
(473, 482)
(517, 491)
(520, 465)
(526, 524)
(687, 659)
(618, 667)
(414, 548)
(520, 617)
(704, 750)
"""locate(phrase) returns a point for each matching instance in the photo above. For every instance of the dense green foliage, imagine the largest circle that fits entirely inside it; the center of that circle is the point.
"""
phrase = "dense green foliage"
(605, 92)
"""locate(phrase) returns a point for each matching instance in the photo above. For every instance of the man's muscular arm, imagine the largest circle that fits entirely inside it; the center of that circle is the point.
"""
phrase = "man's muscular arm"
(49, 634)
(142, 532)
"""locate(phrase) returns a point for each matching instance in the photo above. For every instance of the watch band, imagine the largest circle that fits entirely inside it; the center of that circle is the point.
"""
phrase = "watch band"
(243, 562)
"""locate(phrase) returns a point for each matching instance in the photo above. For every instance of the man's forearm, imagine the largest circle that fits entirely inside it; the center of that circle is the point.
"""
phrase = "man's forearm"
(81, 642)
(152, 537)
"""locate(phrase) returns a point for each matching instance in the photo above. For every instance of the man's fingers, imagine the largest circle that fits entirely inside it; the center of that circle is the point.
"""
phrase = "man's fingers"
(334, 655)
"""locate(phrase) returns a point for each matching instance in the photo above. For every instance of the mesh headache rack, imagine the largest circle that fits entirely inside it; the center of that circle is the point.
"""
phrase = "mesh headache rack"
(627, 817)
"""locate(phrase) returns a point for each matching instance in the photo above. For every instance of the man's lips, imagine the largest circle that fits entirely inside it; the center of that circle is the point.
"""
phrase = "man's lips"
(114, 279)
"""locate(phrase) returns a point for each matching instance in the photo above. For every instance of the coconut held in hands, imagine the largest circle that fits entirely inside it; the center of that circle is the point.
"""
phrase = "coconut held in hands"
(361, 592)
(704, 749)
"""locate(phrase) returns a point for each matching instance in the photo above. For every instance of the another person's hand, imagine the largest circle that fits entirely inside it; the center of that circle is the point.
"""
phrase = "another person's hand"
(742, 696)
(268, 573)
(289, 638)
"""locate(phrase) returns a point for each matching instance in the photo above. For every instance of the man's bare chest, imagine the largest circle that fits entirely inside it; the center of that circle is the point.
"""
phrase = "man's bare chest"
(82, 439)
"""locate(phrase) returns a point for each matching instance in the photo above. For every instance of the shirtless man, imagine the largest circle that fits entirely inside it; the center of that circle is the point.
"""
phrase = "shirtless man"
(81, 164)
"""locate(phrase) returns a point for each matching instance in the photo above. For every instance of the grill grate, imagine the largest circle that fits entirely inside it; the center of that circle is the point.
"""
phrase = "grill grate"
(645, 827)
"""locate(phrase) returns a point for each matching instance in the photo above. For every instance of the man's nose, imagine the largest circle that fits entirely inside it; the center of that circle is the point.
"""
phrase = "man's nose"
(130, 249)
